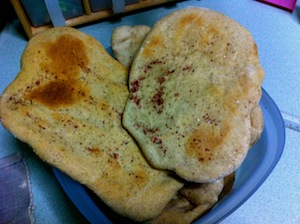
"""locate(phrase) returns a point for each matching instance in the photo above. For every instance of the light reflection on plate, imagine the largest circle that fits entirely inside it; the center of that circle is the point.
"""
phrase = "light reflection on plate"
(259, 163)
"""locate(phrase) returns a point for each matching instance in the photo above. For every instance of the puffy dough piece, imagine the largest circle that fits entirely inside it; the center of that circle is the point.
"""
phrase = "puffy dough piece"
(126, 41)
(257, 124)
(67, 102)
(192, 201)
(193, 85)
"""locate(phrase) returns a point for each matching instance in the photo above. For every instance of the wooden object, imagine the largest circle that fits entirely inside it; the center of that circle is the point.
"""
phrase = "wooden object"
(89, 15)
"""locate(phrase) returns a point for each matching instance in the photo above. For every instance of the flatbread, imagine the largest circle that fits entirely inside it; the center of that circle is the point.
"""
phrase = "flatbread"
(193, 85)
(126, 41)
(191, 202)
(257, 124)
(66, 103)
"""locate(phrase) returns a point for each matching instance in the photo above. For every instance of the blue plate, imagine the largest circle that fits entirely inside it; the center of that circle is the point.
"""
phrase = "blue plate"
(257, 166)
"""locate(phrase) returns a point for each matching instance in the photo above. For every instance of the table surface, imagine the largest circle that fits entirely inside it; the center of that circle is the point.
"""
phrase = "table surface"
(277, 34)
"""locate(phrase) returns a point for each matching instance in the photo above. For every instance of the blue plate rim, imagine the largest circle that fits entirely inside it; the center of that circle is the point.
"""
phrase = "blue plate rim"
(269, 164)
(82, 200)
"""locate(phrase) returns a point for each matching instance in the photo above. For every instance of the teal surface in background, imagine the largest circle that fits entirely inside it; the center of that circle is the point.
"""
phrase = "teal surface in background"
(38, 15)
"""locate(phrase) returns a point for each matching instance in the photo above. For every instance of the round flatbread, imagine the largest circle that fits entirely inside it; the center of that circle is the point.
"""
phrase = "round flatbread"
(193, 85)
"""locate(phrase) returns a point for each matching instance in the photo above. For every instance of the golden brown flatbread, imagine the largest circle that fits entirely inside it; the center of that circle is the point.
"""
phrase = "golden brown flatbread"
(67, 102)
(193, 85)
(126, 41)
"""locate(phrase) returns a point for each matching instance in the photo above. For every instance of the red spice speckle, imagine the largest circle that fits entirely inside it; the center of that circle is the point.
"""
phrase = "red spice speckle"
(156, 62)
(116, 156)
(135, 85)
(210, 120)
(147, 68)
(93, 150)
(135, 99)
(161, 80)
(169, 72)
(156, 140)
(158, 101)
(149, 130)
